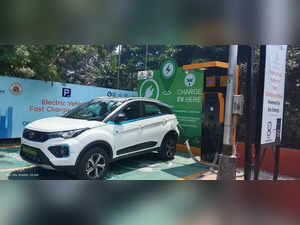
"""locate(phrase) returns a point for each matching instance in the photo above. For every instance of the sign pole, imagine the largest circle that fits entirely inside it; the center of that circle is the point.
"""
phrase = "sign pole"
(251, 113)
(260, 98)
(276, 163)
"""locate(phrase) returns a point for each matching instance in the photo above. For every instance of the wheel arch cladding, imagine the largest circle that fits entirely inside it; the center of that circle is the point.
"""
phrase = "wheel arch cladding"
(173, 133)
(103, 144)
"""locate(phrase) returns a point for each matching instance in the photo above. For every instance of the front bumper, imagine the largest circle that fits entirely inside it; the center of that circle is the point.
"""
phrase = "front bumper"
(44, 157)
(39, 159)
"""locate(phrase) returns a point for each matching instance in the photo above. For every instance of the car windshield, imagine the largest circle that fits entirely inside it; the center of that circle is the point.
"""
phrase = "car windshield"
(94, 110)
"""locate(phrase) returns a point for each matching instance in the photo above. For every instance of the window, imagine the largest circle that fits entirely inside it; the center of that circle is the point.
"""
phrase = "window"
(132, 111)
(93, 110)
(152, 109)
(165, 109)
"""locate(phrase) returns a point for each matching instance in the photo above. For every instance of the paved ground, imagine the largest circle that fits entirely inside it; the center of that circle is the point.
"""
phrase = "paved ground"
(145, 167)
(262, 176)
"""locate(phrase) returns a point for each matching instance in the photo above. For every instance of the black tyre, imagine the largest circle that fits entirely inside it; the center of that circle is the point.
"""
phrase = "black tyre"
(93, 165)
(168, 147)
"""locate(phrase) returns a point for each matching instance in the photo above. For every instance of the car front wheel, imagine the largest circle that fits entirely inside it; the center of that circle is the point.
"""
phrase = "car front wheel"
(93, 165)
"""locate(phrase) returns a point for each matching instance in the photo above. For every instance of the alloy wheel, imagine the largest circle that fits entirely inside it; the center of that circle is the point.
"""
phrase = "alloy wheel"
(95, 166)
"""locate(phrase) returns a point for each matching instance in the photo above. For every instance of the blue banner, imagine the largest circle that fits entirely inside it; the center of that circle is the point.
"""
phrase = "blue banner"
(23, 101)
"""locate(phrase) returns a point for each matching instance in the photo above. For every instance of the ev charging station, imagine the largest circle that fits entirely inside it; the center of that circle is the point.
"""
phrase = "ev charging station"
(215, 84)
(196, 94)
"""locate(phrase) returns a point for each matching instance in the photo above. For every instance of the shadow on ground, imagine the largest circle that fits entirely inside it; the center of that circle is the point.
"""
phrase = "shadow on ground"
(144, 167)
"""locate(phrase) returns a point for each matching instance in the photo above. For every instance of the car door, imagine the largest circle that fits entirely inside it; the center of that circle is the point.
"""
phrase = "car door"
(155, 122)
(128, 133)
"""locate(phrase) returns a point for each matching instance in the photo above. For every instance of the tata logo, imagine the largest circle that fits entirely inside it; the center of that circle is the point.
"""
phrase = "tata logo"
(66, 92)
(31, 134)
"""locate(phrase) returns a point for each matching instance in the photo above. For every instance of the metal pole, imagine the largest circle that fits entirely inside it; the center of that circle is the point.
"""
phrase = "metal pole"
(259, 101)
(257, 161)
(227, 159)
(146, 57)
(276, 163)
(119, 63)
(250, 113)
(229, 97)
(131, 76)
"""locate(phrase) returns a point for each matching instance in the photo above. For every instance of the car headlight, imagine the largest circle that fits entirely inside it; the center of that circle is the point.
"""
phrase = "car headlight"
(67, 134)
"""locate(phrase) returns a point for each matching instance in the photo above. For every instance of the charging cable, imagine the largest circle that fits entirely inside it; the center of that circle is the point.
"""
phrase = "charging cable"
(212, 166)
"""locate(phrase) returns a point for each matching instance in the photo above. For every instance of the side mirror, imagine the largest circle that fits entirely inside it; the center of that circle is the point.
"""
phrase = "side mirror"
(120, 117)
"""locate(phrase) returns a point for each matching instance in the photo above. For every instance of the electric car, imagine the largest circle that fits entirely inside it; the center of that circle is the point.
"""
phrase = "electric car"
(88, 138)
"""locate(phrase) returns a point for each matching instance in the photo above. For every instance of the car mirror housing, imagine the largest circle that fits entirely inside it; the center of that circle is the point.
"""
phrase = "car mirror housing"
(120, 117)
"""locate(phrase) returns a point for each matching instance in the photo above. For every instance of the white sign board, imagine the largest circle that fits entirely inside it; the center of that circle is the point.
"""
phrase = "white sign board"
(273, 99)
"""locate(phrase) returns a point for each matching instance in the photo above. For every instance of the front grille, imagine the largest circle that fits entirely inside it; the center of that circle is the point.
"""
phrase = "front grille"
(35, 135)
(38, 158)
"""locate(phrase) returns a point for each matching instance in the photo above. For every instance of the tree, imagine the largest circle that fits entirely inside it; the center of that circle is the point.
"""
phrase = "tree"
(96, 64)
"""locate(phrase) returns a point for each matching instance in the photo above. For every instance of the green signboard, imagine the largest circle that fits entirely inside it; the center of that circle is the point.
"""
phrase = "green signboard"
(181, 90)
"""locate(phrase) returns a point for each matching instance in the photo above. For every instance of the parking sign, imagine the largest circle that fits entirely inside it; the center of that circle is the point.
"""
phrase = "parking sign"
(66, 92)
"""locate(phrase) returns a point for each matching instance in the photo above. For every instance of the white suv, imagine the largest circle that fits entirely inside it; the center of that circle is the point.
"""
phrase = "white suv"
(85, 140)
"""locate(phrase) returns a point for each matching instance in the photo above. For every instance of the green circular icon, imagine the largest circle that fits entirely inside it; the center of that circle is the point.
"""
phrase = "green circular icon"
(149, 89)
(190, 80)
(168, 68)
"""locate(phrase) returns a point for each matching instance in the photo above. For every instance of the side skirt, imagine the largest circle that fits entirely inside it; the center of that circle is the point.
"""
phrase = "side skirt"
(135, 148)
(136, 153)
